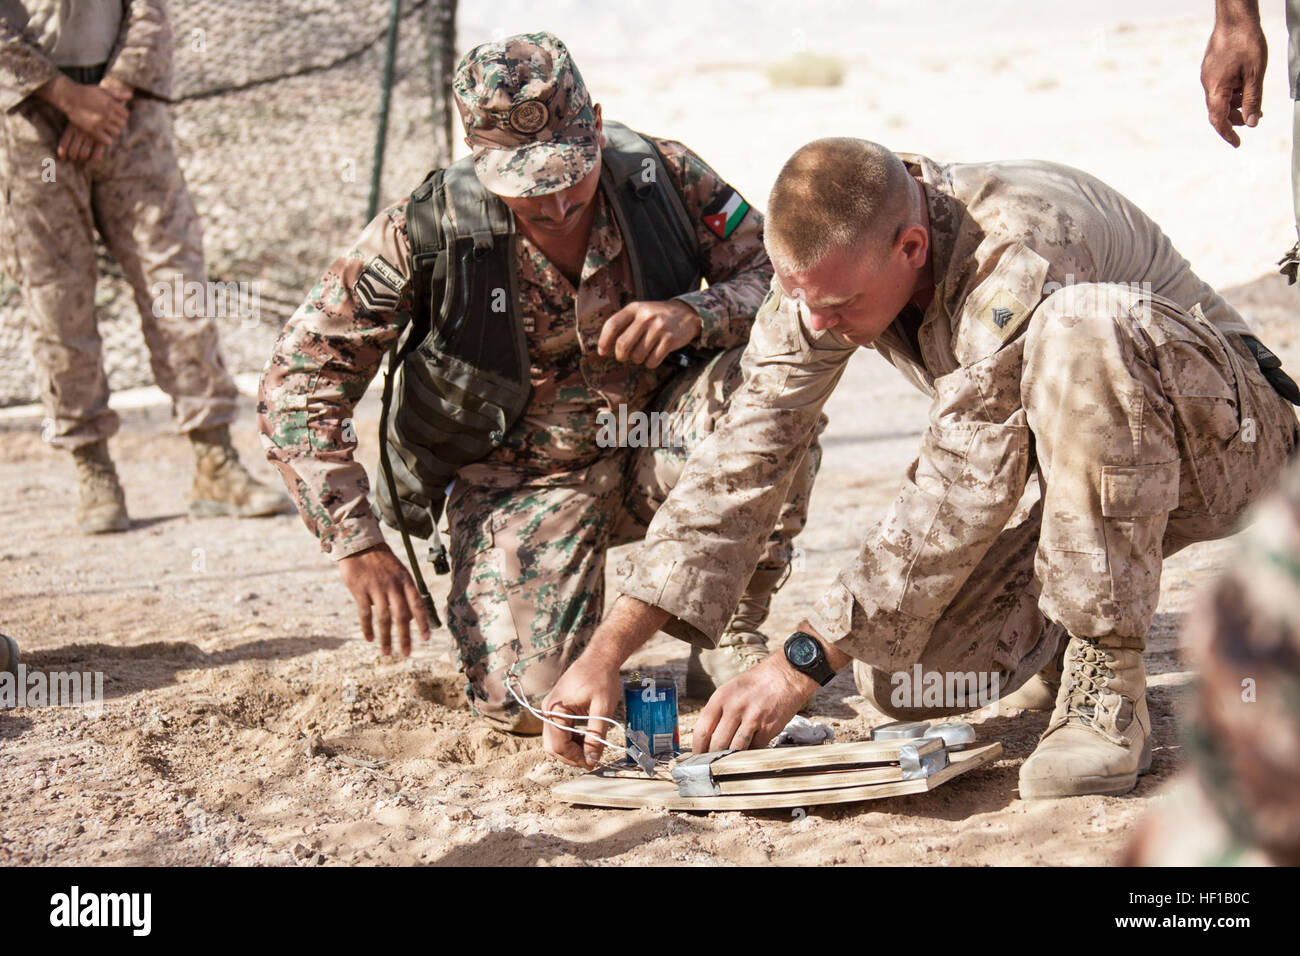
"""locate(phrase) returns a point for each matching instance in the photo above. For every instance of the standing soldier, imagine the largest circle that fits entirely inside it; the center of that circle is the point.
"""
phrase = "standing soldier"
(1095, 407)
(86, 82)
(550, 282)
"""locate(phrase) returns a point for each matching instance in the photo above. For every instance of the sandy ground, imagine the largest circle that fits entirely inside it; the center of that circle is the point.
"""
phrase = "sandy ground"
(245, 722)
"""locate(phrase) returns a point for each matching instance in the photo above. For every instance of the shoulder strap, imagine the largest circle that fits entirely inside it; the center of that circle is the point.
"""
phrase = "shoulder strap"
(424, 211)
(651, 214)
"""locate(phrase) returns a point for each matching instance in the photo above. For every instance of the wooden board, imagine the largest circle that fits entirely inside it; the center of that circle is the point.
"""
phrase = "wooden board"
(790, 781)
(601, 789)
(856, 753)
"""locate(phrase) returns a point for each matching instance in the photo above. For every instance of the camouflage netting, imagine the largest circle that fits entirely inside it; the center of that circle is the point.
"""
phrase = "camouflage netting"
(275, 120)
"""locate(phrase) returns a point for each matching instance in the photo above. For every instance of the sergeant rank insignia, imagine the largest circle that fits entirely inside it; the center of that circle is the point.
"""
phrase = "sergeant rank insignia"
(1003, 315)
(379, 287)
(724, 214)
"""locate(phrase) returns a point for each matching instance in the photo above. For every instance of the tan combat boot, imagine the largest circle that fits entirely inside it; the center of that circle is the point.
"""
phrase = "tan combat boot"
(9, 656)
(742, 644)
(1099, 738)
(222, 486)
(1039, 692)
(101, 506)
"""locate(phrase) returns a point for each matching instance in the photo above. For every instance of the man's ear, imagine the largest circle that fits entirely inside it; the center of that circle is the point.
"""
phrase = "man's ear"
(600, 126)
(915, 245)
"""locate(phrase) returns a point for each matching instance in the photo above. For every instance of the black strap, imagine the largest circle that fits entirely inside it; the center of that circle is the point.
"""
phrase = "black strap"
(386, 467)
(86, 75)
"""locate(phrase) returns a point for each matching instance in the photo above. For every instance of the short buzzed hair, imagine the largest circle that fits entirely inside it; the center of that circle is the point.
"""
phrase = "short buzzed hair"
(834, 194)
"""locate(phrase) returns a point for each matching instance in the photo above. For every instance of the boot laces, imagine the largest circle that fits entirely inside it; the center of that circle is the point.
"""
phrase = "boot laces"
(1090, 674)
(749, 646)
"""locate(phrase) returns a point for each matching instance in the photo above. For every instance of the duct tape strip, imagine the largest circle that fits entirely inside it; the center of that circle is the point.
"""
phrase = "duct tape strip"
(694, 778)
(918, 767)
(955, 735)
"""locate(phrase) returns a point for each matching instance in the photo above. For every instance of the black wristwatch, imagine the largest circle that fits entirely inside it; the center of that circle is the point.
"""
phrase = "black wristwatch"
(805, 654)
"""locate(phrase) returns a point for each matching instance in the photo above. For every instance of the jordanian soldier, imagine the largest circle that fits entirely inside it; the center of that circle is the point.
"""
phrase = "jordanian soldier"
(543, 400)
(87, 146)
(1095, 407)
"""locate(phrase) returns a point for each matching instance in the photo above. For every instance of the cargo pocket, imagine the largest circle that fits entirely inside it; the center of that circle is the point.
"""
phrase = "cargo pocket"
(1135, 505)
(1200, 380)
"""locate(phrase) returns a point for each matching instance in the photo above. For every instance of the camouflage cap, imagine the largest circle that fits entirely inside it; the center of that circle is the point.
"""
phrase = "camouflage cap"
(527, 115)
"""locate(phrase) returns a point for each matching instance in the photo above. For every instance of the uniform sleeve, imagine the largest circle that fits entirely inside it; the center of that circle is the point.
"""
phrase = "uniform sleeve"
(957, 497)
(732, 257)
(23, 67)
(706, 539)
(142, 57)
(323, 361)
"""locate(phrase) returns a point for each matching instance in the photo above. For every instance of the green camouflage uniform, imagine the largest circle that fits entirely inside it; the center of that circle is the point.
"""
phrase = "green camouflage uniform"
(531, 522)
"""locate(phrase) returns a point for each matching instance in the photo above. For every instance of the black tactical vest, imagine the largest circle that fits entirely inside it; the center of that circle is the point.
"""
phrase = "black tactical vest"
(459, 380)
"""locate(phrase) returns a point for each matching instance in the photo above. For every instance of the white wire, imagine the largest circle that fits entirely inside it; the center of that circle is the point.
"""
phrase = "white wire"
(542, 715)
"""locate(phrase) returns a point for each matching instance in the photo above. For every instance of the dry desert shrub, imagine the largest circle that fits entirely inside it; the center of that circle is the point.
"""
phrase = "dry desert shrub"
(806, 69)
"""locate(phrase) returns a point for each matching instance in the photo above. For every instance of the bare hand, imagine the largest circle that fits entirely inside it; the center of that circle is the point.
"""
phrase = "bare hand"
(589, 687)
(1232, 74)
(77, 146)
(382, 586)
(644, 333)
(100, 111)
(122, 90)
(749, 710)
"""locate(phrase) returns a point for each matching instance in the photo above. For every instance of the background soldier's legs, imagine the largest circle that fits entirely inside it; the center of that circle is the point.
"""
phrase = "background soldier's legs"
(52, 254)
(149, 222)
(528, 584)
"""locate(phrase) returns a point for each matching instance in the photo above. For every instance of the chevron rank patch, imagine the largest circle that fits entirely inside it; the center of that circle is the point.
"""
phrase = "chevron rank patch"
(379, 287)
(1003, 315)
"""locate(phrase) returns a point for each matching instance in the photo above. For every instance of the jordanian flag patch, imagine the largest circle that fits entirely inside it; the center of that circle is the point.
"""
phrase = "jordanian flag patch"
(725, 212)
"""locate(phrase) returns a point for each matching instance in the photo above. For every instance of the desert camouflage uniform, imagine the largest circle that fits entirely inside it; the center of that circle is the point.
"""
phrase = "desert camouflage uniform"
(135, 196)
(1238, 803)
(531, 522)
(1144, 418)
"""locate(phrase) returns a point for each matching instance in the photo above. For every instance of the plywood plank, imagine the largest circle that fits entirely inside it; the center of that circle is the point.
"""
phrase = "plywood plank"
(854, 753)
(599, 789)
(826, 779)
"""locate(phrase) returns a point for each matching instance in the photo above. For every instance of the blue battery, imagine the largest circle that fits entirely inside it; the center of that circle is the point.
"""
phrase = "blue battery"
(652, 710)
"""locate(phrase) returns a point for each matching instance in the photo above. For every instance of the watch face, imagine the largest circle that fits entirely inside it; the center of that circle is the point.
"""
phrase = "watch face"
(803, 652)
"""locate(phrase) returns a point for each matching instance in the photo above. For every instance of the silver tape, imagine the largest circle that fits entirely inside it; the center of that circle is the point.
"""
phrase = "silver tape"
(917, 766)
(954, 735)
(694, 775)
(900, 730)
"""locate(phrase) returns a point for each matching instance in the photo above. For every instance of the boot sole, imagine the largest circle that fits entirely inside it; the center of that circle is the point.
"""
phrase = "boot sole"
(219, 509)
(1046, 788)
(104, 527)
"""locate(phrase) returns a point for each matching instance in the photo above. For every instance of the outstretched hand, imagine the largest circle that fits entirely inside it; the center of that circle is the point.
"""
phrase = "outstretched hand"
(386, 596)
